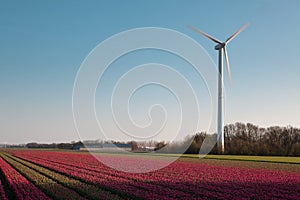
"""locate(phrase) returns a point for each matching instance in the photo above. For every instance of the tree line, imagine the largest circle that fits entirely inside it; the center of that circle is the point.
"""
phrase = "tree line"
(249, 139)
(240, 139)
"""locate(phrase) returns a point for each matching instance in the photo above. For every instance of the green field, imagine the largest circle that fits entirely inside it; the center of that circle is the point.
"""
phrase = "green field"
(274, 159)
(278, 159)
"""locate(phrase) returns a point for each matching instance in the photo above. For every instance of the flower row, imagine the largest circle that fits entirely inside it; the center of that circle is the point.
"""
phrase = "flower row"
(88, 191)
(23, 188)
(185, 180)
(48, 185)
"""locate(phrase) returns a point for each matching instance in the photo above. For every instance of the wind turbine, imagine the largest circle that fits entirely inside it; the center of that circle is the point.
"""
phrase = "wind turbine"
(221, 47)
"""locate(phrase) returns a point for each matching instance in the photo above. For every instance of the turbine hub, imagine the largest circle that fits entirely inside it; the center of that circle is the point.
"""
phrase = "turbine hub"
(220, 46)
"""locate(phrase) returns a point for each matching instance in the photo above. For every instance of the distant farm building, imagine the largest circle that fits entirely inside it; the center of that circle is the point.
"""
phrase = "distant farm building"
(107, 147)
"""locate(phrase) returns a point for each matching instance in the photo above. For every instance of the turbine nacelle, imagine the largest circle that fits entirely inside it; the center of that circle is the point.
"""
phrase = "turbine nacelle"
(220, 46)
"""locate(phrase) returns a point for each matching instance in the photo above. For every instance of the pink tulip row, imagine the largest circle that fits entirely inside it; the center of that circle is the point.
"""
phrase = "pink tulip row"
(50, 186)
(120, 185)
(185, 180)
(212, 185)
(108, 178)
(160, 184)
(23, 188)
(87, 190)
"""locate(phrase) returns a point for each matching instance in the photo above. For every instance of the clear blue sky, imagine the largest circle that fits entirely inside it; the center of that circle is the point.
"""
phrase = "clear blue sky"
(43, 44)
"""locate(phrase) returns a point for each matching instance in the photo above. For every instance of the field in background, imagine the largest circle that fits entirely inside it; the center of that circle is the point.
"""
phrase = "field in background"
(274, 159)
(277, 159)
(42, 174)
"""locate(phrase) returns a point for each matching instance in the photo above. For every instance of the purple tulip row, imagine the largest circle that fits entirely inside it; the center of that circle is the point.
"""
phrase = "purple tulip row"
(185, 180)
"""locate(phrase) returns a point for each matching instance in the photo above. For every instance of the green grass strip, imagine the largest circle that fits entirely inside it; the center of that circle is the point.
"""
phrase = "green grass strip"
(274, 159)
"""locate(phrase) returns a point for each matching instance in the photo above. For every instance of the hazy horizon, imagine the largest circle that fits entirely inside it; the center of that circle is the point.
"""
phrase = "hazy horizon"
(94, 139)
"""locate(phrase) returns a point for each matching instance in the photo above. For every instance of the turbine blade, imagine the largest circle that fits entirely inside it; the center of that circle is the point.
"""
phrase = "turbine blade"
(227, 64)
(206, 35)
(236, 33)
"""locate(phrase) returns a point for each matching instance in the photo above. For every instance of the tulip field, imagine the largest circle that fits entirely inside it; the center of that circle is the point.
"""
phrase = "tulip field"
(45, 174)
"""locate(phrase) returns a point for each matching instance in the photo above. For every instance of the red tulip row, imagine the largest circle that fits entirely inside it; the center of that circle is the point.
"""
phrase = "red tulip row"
(21, 186)
(185, 180)
(29, 191)
(121, 185)
(113, 179)
(152, 184)
(89, 191)
(179, 172)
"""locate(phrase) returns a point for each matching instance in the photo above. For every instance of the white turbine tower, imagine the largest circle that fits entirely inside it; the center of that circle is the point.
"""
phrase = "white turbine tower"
(221, 46)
